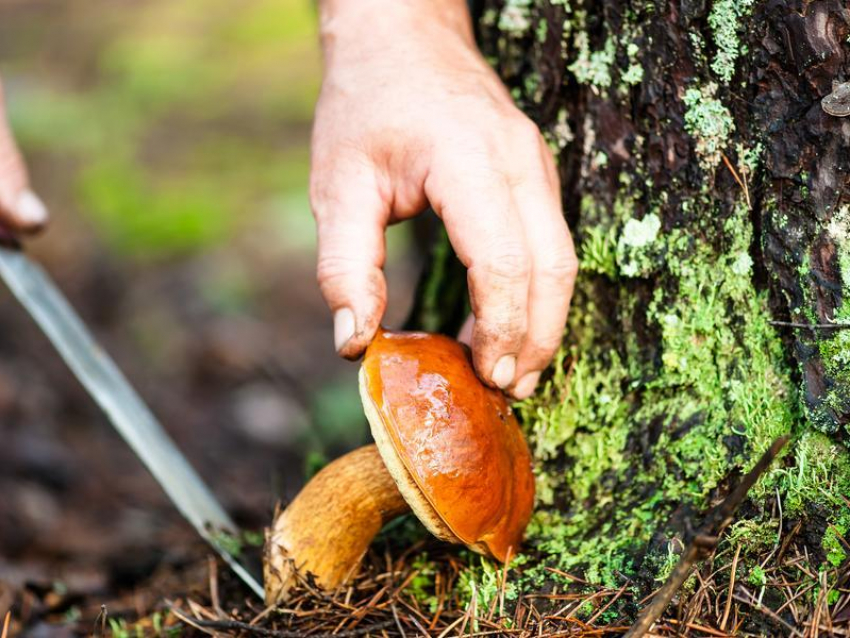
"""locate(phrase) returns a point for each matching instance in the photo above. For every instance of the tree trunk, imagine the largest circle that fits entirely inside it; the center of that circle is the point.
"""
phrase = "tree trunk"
(707, 190)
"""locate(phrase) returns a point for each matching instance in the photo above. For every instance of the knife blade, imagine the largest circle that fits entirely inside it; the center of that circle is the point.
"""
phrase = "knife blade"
(125, 409)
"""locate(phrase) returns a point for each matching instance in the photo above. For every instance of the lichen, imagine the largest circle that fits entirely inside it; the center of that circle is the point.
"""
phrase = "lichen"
(725, 21)
(541, 31)
(515, 17)
(593, 68)
(559, 135)
(635, 254)
(709, 122)
(634, 73)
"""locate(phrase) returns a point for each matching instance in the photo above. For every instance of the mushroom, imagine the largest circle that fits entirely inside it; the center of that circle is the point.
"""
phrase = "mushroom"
(446, 447)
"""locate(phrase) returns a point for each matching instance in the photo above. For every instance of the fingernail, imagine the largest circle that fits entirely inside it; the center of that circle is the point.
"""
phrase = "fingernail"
(525, 386)
(344, 327)
(504, 370)
(30, 210)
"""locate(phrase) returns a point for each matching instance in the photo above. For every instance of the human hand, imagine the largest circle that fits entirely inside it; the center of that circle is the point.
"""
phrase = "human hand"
(410, 115)
(20, 209)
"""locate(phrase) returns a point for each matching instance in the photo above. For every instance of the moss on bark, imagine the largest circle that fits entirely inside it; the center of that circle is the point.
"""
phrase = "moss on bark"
(708, 196)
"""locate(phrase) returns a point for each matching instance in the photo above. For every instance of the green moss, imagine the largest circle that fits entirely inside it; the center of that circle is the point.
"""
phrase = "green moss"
(833, 346)
(725, 21)
(757, 576)
(709, 122)
(422, 585)
(717, 393)
(757, 535)
(599, 252)
(480, 588)
(834, 543)
(820, 476)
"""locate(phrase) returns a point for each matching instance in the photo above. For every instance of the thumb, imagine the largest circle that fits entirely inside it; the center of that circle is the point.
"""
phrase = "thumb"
(351, 217)
(20, 208)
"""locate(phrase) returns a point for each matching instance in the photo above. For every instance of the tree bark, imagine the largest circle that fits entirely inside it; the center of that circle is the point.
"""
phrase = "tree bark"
(707, 190)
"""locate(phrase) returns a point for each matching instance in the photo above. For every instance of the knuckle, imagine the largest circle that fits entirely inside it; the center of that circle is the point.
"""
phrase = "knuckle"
(333, 267)
(560, 265)
(527, 134)
(507, 263)
(339, 274)
(318, 197)
(323, 197)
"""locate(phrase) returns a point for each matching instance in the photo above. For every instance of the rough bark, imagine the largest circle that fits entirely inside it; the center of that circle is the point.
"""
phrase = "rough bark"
(709, 198)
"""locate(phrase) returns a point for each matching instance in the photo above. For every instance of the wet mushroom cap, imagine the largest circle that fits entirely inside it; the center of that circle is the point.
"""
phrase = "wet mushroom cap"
(452, 444)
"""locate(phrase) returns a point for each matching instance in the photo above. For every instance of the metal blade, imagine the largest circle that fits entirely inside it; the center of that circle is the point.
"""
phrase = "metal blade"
(110, 389)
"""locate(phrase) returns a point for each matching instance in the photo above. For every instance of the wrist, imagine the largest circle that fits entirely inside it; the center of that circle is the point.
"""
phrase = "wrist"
(353, 28)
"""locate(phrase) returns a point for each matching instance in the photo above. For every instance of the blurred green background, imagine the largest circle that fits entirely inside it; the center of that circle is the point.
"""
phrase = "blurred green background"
(173, 130)
(182, 122)
(170, 140)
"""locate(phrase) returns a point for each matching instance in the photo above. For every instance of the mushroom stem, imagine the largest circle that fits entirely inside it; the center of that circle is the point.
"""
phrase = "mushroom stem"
(327, 529)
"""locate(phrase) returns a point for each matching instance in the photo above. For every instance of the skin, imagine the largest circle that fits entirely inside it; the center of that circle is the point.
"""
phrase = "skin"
(20, 209)
(410, 114)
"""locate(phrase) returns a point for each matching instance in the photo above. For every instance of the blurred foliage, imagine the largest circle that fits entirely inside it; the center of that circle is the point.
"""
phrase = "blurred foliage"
(177, 131)
(191, 118)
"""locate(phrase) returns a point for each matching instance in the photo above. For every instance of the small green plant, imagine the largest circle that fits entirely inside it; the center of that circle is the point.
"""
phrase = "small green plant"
(757, 577)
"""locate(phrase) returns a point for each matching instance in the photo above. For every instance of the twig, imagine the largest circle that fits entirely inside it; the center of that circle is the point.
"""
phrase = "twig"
(454, 624)
(698, 627)
(728, 609)
(564, 574)
(100, 617)
(741, 183)
(397, 621)
(811, 326)
(420, 627)
(769, 613)
(504, 584)
(607, 605)
(704, 541)
(213, 569)
(235, 625)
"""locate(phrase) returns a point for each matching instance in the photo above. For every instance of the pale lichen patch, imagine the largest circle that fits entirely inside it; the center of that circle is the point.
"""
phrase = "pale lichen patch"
(709, 122)
(725, 21)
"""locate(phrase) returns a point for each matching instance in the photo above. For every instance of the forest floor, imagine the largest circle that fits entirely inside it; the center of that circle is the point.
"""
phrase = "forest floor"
(194, 594)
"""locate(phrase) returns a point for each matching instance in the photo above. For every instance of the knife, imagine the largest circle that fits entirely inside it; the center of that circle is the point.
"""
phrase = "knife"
(125, 409)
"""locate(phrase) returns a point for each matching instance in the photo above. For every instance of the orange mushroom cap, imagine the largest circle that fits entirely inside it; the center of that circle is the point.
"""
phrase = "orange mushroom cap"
(452, 444)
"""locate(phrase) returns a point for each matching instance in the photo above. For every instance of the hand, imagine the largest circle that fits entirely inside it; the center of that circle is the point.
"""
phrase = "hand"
(410, 114)
(20, 208)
